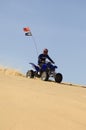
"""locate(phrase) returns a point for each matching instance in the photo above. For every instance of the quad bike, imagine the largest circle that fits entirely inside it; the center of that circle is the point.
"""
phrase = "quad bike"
(45, 72)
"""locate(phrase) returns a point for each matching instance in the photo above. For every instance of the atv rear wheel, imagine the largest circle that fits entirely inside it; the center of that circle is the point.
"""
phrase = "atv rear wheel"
(58, 77)
(30, 73)
(44, 76)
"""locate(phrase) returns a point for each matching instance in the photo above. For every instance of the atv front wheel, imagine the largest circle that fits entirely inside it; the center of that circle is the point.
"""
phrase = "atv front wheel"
(30, 73)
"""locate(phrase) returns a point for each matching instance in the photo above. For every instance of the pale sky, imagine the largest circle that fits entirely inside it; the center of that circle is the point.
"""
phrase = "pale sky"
(59, 25)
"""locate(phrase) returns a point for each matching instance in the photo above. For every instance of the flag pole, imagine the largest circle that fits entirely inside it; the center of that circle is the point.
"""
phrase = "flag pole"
(29, 33)
(35, 45)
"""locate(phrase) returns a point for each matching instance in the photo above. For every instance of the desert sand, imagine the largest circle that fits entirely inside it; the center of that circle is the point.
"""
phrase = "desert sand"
(32, 104)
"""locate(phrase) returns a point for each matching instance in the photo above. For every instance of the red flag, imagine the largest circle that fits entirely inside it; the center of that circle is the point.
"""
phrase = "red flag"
(26, 29)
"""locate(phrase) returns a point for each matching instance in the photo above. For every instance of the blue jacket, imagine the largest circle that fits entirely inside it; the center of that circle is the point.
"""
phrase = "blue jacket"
(42, 59)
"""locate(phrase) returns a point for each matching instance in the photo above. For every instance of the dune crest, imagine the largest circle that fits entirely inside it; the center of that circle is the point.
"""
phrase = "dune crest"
(9, 71)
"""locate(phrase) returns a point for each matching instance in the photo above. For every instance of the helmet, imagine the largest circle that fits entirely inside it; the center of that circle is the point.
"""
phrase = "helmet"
(45, 51)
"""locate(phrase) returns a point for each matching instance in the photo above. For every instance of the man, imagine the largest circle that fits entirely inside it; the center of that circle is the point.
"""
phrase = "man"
(42, 58)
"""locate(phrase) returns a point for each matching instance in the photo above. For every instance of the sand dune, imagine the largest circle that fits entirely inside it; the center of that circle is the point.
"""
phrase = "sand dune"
(8, 71)
(32, 104)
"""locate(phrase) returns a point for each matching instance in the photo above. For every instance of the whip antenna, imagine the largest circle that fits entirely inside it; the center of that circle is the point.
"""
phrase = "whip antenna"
(28, 32)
